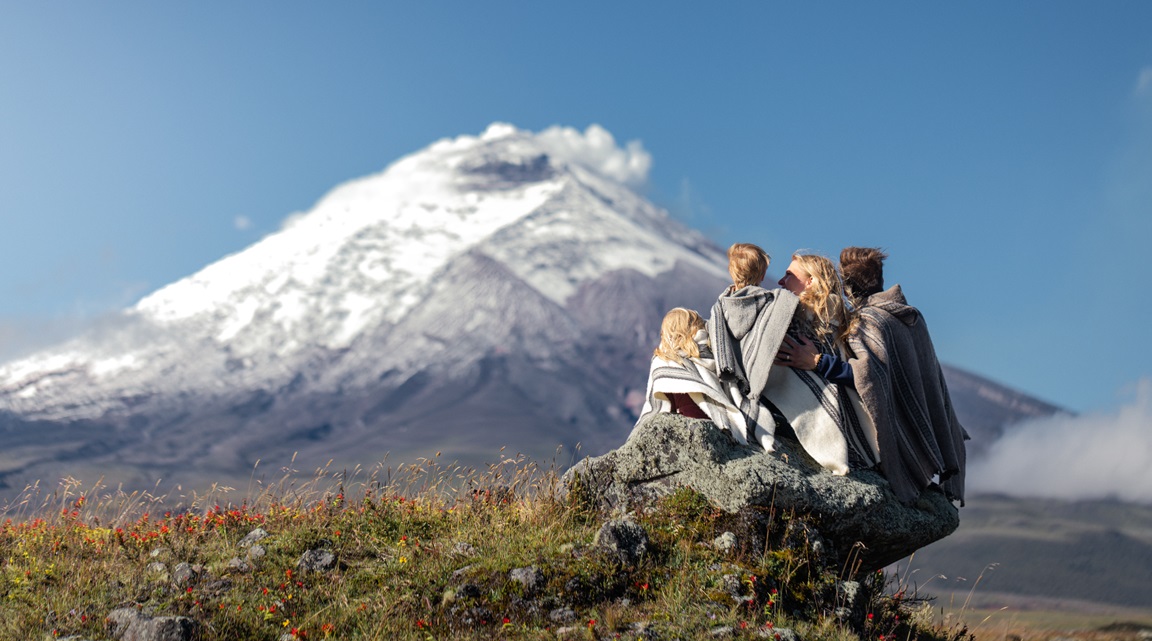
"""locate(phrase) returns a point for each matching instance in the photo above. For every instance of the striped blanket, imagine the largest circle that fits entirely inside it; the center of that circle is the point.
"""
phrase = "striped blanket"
(749, 422)
(903, 390)
(828, 418)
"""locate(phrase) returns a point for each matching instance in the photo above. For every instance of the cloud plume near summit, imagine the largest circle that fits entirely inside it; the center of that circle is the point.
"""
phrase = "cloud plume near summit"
(596, 149)
(1090, 456)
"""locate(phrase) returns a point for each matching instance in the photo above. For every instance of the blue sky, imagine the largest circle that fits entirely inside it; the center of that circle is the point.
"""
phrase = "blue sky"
(1002, 152)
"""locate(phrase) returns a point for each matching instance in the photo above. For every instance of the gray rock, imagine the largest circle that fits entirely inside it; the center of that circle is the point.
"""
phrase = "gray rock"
(562, 615)
(462, 572)
(722, 632)
(256, 552)
(530, 577)
(218, 587)
(858, 515)
(627, 540)
(156, 567)
(185, 573)
(464, 549)
(236, 564)
(316, 561)
(851, 600)
(725, 543)
(255, 535)
(128, 624)
(730, 583)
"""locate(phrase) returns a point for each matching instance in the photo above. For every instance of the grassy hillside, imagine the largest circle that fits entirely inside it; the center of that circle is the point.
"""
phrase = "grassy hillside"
(426, 552)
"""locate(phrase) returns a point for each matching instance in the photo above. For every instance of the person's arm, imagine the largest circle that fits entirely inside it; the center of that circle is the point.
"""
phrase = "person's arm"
(801, 353)
(834, 369)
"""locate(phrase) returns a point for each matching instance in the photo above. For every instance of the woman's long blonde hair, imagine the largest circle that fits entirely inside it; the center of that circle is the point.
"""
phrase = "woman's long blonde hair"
(678, 335)
(824, 298)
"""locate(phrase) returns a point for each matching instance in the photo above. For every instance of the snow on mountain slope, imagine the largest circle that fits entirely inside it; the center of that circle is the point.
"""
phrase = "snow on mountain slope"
(552, 208)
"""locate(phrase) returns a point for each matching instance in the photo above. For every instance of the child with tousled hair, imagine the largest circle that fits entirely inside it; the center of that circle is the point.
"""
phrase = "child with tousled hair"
(682, 380)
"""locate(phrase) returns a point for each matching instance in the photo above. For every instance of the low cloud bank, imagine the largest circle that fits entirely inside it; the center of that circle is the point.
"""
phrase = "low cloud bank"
(1091, 456)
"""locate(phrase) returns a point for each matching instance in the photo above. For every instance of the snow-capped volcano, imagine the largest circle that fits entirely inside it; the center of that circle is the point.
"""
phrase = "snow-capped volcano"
(496, 290)
(362, 259)
(498, 285)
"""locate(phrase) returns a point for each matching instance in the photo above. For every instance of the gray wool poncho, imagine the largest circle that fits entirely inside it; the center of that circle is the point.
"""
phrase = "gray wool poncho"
(902, 388)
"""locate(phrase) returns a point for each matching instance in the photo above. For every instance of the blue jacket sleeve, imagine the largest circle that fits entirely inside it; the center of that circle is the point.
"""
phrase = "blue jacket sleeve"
(834, 369)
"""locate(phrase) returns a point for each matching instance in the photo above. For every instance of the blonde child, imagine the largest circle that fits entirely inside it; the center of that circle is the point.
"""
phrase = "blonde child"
(682, 380)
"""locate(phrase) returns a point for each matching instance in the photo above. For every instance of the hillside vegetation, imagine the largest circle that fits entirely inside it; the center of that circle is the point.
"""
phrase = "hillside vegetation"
(426, 552)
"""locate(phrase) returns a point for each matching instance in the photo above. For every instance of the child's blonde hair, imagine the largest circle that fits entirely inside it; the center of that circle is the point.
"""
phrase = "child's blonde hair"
(747, 264)
(823, 297)
(678, 335)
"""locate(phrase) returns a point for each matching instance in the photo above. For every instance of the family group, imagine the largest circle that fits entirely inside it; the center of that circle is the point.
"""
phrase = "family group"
(830, 358)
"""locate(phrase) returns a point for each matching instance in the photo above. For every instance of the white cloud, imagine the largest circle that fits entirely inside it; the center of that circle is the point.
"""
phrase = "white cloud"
(242, 223)
(1103, 455)
(596, 149)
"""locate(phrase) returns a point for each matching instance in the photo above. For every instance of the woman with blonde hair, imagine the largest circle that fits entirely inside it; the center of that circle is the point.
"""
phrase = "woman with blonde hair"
(682, 380)
(824, 317)
(820, 400)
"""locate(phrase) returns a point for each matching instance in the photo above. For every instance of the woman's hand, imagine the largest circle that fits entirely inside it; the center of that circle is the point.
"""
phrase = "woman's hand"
(799, 353)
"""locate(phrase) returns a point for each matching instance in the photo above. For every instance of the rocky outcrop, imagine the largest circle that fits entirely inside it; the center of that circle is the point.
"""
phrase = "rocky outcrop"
(857, 515)
(128, 624)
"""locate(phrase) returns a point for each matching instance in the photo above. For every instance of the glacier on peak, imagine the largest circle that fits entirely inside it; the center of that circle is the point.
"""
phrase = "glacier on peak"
(404, 224)
(557, 209)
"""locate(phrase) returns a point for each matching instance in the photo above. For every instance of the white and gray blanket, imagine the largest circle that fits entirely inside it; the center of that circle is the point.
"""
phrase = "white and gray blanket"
(903, 390)
(723, 403)
(828, 418)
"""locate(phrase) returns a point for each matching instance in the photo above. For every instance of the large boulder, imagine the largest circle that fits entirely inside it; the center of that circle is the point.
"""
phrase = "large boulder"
(862, 521)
